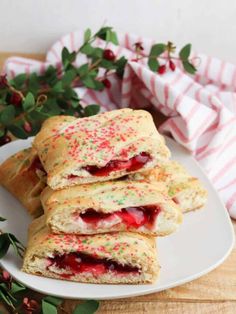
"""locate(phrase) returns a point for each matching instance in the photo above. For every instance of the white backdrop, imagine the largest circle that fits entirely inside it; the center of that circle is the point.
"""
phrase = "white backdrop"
(33, 25)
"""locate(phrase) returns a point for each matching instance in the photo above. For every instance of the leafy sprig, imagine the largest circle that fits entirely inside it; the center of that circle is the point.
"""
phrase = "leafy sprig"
(7, 240)
(28, 99)
(15, 295)
(161, 57)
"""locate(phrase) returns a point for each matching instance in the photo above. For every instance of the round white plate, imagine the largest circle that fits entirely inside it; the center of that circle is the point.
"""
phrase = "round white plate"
(203, 242)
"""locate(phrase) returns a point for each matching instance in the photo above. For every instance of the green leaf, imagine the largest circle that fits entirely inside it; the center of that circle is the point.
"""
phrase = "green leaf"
(189, 67)
(103, 32)
(91, 110)
(38, 115)
(51, 107)
(50, 76)
(90, 82)
(109, 35)
(87, 35)
(28, 102)
(120, 64)
(33, 83)
(93, 73)
(19, 80)
(53, 300)
(4, 244)
(2, 219)
(88, 307)
(185, 52)
(87, 49)
(18, 131)
(2, 132)
(4, 295)
(69, 111)
(75, 103)
(83, 70)
(91, 52)
(48, 308)
(7, 115)
(106, 64)
(113, 38)
(157, 50)
(16, 244)
(69, 93)
(67, 57)
(153, 64)
(17, 287)
(68, 77)
(97, 53)
(58, 88)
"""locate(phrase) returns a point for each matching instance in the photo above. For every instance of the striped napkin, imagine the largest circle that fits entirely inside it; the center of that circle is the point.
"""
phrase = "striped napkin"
(201, 109)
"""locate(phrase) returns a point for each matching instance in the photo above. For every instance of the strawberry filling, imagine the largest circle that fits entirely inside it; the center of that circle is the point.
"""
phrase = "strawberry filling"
(80, 263)
(131, 216)
(133, 164)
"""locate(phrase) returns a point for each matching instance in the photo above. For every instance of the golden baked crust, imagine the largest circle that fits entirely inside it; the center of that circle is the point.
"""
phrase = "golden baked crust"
(63, 208)
(51, 126)
(17, 176)
(124, 248)
(185, 190)
(95, 141)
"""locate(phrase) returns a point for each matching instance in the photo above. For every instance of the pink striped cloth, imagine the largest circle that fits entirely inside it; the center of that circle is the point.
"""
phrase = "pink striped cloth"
(201, 109)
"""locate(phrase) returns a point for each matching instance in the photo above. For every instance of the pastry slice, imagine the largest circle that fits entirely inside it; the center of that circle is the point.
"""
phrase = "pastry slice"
(185, 190)
(100, 148)
(19, 175)
(111, 206)
(124, 258)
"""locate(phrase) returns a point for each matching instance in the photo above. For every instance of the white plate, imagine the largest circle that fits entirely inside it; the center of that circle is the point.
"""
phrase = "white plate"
(203, 242)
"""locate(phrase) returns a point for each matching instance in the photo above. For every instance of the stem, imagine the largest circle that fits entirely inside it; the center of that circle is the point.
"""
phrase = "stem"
(12, 89)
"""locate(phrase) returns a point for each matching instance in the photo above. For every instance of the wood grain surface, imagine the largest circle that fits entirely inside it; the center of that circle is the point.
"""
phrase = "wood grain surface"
(212, 293)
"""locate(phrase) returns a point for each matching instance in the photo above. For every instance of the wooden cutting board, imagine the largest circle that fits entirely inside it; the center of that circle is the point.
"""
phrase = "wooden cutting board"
(212, 293)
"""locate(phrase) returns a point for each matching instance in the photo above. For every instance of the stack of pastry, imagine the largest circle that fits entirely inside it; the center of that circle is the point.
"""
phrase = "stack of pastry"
(108, 188)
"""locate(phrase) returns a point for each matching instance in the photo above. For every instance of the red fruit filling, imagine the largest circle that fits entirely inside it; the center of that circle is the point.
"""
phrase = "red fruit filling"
(133, 164)
(131, 216)
(80, 262)
(36, 165)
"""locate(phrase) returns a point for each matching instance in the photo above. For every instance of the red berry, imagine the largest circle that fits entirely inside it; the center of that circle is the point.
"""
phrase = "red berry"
(106, 83)
(29, 306)
(3, 81)
(162, 69)
(172, 65)
(4, 140)
(6, 276)
(16, 99)
(108, 54)
(27, 127)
